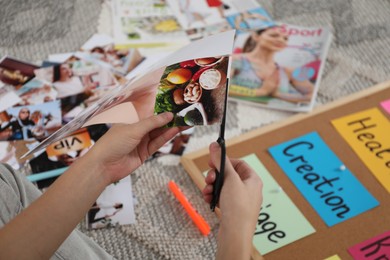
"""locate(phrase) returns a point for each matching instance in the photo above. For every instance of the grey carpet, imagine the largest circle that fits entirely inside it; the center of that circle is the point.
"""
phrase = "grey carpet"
(359, 58)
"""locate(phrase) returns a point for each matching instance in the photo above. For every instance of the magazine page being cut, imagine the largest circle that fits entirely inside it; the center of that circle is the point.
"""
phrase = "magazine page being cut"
(190, 83)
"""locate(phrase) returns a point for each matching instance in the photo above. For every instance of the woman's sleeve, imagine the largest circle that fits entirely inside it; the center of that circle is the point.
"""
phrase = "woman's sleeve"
(16, 193)
(10, 204)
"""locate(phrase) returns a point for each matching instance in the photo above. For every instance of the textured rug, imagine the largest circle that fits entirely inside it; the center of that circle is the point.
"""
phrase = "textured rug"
(358, 58)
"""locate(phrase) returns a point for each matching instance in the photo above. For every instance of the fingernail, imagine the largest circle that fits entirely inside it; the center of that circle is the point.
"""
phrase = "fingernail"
(214, 146)
(167, 114)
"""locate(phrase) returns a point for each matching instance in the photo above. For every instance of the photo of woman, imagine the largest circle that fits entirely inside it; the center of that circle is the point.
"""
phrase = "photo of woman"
(262, 71)
(65, 82)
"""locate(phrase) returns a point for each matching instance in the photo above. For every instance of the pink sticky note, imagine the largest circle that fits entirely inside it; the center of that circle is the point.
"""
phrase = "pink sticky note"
(374, 248)
(386, 105)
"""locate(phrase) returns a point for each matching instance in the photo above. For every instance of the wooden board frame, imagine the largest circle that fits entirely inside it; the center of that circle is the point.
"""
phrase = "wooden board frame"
(326, 241)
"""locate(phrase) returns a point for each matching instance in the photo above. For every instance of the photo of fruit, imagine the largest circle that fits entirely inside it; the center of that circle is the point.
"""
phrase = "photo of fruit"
(194, 91)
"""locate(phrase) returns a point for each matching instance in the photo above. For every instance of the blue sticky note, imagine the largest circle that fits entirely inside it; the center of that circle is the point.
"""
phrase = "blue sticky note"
(332, 190)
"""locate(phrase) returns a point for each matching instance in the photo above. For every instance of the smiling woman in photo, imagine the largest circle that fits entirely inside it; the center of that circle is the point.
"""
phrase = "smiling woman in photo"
(65, 82)
(256, 69)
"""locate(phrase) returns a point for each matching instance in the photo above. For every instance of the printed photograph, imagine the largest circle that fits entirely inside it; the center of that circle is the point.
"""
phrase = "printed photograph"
(11, 152)
(30, 122)
(63, 153)
(100, 48)
(36, 92)
(8, 97)
(76, 76)
(177, 145)
(14, 72)
(194, 90)
(8, 154)
(113, 207)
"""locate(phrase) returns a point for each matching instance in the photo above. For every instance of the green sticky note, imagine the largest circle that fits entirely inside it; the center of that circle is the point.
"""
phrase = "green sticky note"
(280, 222)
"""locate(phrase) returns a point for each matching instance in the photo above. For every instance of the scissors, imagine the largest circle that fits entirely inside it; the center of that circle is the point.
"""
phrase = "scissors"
(219, 175)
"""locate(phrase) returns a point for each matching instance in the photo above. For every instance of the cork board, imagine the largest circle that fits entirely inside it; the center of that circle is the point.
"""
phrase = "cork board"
(326, 241)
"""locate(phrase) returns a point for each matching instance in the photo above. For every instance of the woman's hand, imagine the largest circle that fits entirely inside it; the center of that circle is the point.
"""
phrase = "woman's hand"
(240, 201)
(119, 152)
(125, 147)
(241, 193)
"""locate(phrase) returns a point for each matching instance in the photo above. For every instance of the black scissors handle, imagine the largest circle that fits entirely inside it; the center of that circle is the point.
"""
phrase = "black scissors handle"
(219, 175)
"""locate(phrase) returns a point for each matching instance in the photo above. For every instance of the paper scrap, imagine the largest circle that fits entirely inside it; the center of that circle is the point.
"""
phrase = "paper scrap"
(274, 229)
(367, 132)
(315, 170)
(386, 105)
(374, 248)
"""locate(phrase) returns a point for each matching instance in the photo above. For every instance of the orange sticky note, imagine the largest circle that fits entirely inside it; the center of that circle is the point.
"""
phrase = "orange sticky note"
(195, 216)
(368, 132)
(75, 142)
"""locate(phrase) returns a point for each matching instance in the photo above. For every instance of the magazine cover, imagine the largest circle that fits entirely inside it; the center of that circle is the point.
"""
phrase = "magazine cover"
(279, 66)
(199, 72)
(203, 13)
(145, 23)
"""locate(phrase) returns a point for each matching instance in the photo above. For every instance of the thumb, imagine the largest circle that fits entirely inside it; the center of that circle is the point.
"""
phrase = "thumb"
(146, 125)
(216, 156)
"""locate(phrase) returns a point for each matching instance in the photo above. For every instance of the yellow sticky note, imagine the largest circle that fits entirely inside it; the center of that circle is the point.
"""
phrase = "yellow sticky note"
(368, 134)
(335, 257)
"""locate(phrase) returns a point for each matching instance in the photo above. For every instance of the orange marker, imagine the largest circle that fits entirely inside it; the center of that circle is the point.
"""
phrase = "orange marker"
(198, 219)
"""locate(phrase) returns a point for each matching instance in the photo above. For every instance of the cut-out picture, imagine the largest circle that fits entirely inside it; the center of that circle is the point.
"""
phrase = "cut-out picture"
(63, 153)
(36, 92)
(176, 145)
(14, 72)
(76, 76)
(8, 97)
(30, 122)
(194, 91)
(11, 152)
(113, 207)
(100, 48)
(8, 154)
